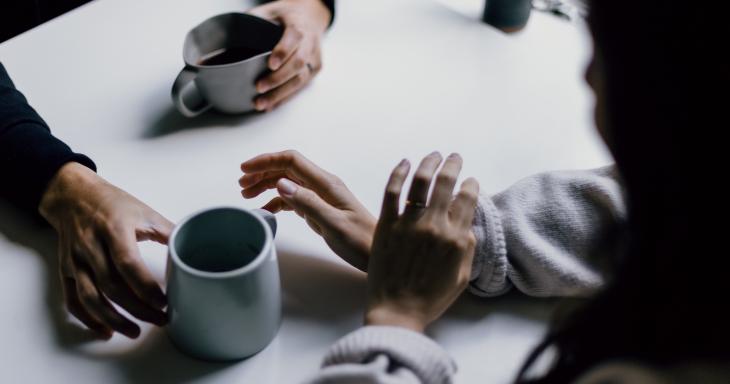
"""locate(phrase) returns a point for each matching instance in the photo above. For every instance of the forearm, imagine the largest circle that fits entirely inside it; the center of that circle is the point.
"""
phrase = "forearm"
(553, 234)
(30, 155)
(383, 354)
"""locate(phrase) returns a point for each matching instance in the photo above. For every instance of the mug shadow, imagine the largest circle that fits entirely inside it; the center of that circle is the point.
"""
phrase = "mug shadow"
(171, 121)
(30, 231)
(157, 360)
(320, 290)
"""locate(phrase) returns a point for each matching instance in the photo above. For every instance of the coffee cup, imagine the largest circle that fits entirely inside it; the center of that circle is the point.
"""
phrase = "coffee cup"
(224, 56)
(223, 287)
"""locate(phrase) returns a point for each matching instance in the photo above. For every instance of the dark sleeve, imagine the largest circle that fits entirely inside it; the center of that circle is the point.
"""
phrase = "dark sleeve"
(29, 154)
(331, 5)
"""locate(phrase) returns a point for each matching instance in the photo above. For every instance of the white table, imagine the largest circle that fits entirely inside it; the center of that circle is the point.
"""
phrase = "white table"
(400, 79)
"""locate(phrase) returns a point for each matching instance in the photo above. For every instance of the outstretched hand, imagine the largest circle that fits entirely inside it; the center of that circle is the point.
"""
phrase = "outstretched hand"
(421, 258)
(316, 195)
(98, 227)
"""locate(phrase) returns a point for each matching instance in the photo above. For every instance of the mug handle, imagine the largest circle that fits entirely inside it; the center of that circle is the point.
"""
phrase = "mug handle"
(184, 89)
(268, 217)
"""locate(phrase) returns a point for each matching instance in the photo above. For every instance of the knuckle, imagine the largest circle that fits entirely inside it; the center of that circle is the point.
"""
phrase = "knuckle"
(297, 80)
(298, 61)
(469, 196)
(297, 32)
(291, 156)
(125, 264)
(427, 230)
(421, 178)
(471, 240)
(446, 178)
(87, 295)
(392, 192)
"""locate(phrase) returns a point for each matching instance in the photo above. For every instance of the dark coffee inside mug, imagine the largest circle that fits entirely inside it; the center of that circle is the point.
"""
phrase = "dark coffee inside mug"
(220, 240)
(224, 56)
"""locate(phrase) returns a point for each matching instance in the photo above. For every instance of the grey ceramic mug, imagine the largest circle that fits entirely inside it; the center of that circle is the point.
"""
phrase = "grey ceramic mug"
(223, 287)
(224, 56)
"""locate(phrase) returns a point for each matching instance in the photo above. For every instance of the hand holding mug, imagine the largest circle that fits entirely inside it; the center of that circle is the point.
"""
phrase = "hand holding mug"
(297, 58)
(421, 259)
(318, 196)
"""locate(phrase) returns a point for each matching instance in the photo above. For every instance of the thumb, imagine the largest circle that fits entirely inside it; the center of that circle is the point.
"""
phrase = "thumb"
(306, 203)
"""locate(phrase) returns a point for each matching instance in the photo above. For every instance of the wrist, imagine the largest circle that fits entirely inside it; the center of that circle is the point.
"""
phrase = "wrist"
(71, 178)
(394, 318)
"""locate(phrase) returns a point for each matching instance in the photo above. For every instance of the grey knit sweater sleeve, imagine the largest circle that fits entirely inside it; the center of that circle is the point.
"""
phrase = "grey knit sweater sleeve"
(385, 355)
(552, 234)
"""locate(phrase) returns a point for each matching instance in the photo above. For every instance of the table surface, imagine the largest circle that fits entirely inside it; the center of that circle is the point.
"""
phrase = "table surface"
(400, 79)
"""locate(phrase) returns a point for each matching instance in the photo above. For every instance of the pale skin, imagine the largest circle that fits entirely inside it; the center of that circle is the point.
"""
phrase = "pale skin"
(418, 262)
(297, 58)
(98, 228)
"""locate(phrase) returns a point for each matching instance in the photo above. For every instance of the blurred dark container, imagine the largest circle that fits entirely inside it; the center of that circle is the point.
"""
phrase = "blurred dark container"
(507, 15)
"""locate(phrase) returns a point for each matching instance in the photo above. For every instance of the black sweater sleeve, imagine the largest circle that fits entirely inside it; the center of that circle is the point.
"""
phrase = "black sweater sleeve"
(29, 154)
(331, 5)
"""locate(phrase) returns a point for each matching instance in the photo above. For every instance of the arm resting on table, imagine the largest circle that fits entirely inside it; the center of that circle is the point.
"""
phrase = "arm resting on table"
(29, 154)
(552, 234)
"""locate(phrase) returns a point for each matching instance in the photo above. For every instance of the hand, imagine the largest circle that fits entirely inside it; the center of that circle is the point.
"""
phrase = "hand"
(421, 259)
(297, 57)
(98, 226)
(321, 198)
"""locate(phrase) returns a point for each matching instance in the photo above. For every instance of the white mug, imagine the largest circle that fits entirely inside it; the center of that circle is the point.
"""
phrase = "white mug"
(223, 287)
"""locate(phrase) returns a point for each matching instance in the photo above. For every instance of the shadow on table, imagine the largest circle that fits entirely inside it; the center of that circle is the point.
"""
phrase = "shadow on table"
(171, 121)
(33, 233)
(320, 289)
(156, 360)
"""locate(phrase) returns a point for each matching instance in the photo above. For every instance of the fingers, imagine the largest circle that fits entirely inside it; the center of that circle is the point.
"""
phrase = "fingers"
(422, 181)
(126, 259)
(294, 66)
(444, 187)
(307, 203)
(293, 164)
(261, 187)
(111, 284)
(277, 205)
(99, 307)
(278, 95)
(161, 228)
(74, 306)
(391, 201)
(463, 206)
(285, 48)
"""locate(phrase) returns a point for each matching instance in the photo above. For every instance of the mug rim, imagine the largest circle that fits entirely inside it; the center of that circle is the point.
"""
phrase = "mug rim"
(222, 15)
(259, 259)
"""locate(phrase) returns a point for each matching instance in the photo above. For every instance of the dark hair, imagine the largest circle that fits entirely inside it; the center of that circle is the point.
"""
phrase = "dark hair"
(663, 306)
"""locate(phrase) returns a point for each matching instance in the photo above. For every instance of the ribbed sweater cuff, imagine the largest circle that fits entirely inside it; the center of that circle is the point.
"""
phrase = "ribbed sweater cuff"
(421, 355)
(489, 268)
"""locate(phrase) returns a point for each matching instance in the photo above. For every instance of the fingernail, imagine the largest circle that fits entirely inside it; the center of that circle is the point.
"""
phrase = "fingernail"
(274, 63)
(260, 105)
(454, 156)
(286, 188)
(434, 153)
(262, 87)
(403, 163)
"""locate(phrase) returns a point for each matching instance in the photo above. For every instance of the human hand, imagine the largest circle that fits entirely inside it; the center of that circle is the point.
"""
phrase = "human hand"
(297, 57)
(318, 196)
(98, 227)
(421, 259)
